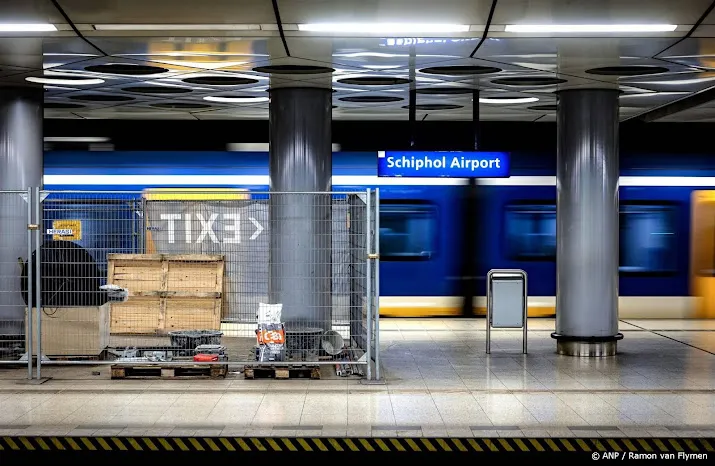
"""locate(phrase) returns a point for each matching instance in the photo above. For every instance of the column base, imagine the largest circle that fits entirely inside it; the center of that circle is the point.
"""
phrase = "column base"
(587, 347)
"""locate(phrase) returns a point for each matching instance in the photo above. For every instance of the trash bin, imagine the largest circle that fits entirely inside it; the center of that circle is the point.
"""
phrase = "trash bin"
(190, 339)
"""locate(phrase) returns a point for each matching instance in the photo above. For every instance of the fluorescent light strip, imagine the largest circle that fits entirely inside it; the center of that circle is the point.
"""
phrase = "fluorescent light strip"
(518, 100)
(259, 147)
(347, 180)
(67, 82)
(236, 100)
(382, 28)
(600, 28)
(76, 139)
(35, 27)
(178, 27)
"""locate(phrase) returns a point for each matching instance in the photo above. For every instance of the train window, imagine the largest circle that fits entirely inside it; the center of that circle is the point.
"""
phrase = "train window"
(408, 231)
(531, 231)
(647, 236)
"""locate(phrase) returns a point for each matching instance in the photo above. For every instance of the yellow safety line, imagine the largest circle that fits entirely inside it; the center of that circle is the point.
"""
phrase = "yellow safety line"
(135, 445)
(397, 444)
(536, 443)
(429, 446)
(660, 444)
(211, 444)
(181, 444)
(87, 443)
(691, 445)
(258, 444)
(274, 445)
(521, 444)
(320, 444)
(474, 444)
(613, 445)
(73, 444)
(644, 444)
(42, 443)
(366, 444)
(459, 444)
(304, 444)
(552, 445)
(244, 446)
(11, 443)
(675, 444)
(567, 444)
(598, 444)
(584, 446)
(354, 447)
(336, 444)
(167, 446)
(490, 443)
(382, 445)
(119, 443)
(445, 446)
(27, 444)
(505, 444)
(630, 445)
(227, 444)
(708, 447)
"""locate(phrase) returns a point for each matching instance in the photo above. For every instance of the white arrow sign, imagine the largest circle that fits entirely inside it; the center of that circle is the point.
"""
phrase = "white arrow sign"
(259, 228)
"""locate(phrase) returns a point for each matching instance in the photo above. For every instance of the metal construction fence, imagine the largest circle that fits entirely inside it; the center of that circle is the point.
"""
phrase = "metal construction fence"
(164, 275)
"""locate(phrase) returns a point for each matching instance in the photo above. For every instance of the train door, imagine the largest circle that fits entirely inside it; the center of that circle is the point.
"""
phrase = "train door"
(702, 253)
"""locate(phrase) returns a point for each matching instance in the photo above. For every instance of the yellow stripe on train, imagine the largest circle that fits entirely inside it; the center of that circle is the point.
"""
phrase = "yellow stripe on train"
(630, 307)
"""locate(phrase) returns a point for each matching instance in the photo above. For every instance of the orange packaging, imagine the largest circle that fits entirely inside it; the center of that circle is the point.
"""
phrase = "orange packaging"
(268, 336)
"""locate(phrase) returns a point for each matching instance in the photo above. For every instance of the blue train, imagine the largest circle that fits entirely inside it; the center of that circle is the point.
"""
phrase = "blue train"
(421, 220)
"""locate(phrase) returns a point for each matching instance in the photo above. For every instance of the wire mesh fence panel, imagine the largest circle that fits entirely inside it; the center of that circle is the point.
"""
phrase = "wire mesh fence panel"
(205, 275)
(15, 216)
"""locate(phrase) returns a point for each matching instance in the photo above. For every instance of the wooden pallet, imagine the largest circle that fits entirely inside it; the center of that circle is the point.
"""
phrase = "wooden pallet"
(159, 371)
(281, 372)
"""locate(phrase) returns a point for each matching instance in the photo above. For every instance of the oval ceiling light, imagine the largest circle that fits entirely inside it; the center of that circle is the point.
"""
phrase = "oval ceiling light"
(445, 90)
(64, 80)
(627, 70)
(374, 81)
(126, 69)
(371, 99)
(157, 90)
(436, 106)
(102, 98)
(293, 69)
(62, 105)
(528, 81)
(236, 100)
(544, 108)
(507, 100)
(460, 70)
(220, 80)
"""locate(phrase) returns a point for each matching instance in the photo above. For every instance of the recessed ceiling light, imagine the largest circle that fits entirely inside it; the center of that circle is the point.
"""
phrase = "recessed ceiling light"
(383, 28)
(17, 27)
(372, 99)
(590, 28)
(460, 70)
(177, 27)
(236, 100)
(507, 100)
(528, 81)
(627, 70)
(126, 69)
(76, 139)
(220, 80)
(293, 69)
(66, 80)
(374, 81)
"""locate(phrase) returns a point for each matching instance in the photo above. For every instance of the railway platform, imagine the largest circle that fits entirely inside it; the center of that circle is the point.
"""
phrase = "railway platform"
(438, 381)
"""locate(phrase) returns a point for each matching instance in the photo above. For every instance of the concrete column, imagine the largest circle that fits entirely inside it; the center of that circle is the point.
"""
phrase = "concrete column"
(587, 223)
(301, 224)
(21, 151)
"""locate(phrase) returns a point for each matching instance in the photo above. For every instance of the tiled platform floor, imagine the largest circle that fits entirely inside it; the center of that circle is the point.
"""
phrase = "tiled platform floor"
(439, 382)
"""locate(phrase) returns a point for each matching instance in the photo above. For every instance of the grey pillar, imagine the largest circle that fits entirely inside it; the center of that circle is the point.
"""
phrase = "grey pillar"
(301, 224)
(587, 223)
(21, 151)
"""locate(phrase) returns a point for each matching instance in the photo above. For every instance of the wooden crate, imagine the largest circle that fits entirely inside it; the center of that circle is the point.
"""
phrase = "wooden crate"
(166, 292)
(72, 331)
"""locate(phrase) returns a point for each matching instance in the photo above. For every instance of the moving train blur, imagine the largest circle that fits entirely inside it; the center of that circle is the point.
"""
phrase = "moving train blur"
(667, 223)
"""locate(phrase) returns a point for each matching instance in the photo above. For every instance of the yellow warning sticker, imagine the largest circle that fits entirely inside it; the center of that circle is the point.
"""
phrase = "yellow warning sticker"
(66, 230)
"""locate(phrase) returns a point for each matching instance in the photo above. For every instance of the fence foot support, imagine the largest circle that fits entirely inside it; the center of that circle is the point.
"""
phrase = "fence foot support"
(33, 381)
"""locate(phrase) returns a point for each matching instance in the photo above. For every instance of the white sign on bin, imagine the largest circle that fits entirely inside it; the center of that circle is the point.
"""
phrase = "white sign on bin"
(506, 302)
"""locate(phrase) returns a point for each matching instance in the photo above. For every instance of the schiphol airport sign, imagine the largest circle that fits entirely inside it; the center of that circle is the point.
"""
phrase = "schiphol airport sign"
(443, 164)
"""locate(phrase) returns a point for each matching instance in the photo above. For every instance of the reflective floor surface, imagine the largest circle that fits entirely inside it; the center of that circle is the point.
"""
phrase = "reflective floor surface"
(439, 381)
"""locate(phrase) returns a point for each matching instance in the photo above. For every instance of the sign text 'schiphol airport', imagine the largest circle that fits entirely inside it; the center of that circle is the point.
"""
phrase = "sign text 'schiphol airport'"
(443, 164)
